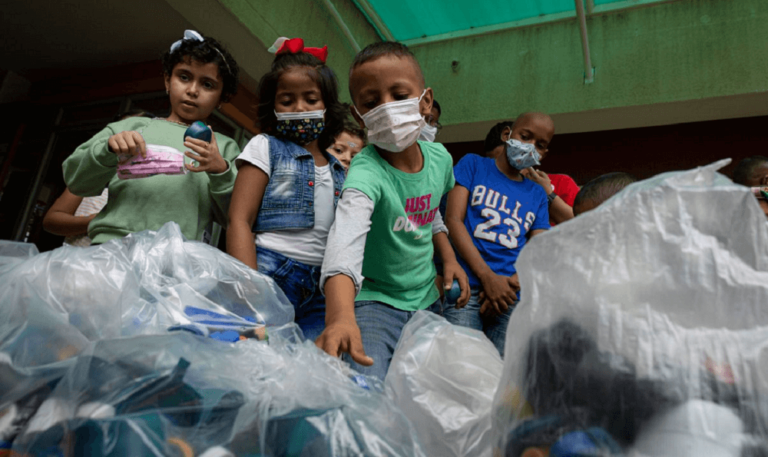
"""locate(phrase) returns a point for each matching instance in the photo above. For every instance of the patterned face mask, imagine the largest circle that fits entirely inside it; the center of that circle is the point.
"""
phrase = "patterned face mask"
(522, 155)
(300, 128)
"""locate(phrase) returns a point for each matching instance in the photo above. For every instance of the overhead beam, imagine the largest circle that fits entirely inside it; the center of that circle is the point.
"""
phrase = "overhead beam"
(342, 25)
(373, 17)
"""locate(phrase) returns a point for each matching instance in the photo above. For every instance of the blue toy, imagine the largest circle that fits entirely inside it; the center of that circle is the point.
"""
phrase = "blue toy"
(452, 295)
(593, 442)
(200, 131)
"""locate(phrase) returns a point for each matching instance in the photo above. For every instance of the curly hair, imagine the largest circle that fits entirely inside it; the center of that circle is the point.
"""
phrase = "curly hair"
(493, 139)
(335, 113)
(205, 52)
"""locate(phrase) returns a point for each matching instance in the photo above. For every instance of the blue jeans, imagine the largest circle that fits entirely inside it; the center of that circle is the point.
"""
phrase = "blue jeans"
(301, 284)
(495, 328)
(380, 326)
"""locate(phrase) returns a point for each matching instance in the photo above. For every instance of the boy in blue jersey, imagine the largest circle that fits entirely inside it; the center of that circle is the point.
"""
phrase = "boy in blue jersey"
(492, 211)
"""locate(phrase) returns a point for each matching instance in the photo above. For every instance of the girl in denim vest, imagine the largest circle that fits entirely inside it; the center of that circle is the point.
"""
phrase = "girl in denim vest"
(287, 185)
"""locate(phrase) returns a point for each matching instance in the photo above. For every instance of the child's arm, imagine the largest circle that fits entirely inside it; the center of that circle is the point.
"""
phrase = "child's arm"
(451, 268)
(342, 277)
(61, 220)
(90, 168)
(498, 289)
(559, 211)
(249, 190)
(217, 159)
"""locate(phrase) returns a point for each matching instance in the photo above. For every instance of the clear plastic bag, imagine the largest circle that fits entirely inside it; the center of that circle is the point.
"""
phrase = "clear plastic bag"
(144, 283)
(444, 377)
(179, 394)
(113, 350)
(645, 329)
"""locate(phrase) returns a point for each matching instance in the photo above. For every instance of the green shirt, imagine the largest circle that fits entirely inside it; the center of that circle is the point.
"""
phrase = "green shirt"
(192, 200)
(398, 267)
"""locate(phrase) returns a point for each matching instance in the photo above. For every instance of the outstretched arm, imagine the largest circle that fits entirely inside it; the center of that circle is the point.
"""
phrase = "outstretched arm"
(342, 277)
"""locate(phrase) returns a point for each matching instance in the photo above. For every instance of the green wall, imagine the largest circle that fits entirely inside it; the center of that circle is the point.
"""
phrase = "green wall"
(310, 20)
(657, 54)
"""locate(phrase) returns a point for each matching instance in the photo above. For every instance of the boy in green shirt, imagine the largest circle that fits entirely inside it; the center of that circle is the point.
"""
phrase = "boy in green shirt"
(378, 267)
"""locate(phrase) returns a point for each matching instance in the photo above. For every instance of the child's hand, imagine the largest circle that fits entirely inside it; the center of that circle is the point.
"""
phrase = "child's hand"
(127, 143)
(344, 337)
(514, 281)
(499, 293)
(451, 271)
(207, 155)
(539, 177)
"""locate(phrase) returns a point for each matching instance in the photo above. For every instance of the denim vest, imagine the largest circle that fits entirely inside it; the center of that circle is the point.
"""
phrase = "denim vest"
(289, 198)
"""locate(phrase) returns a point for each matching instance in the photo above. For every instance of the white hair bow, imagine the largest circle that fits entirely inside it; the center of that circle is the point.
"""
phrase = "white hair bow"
(188, 35)
(195, 36)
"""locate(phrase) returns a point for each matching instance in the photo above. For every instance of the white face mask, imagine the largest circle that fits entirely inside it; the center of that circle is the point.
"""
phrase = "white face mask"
(428, 133)
(318, 114)
(396, 125)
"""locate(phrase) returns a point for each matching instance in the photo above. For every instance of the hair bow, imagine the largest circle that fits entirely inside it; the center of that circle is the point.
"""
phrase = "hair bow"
(295, 46)
(195, 36)
(188, 35)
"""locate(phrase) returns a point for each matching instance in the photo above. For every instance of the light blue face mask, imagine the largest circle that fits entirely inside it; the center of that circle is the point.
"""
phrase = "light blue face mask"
(522, 155)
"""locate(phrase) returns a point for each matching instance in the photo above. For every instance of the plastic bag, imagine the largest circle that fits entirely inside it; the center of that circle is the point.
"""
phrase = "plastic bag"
(180, 394)
(145, 283)
(116, 350)
(645, 329)
(443, 377)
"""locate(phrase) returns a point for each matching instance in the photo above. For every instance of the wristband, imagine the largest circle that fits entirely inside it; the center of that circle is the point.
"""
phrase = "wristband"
(551, 197)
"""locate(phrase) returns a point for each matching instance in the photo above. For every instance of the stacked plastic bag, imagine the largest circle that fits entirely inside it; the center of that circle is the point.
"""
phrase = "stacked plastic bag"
(645, 333)
(153, 345)
(645, 330)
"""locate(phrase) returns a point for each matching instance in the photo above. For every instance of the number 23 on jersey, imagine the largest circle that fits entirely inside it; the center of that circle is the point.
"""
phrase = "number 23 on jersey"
(497, 212)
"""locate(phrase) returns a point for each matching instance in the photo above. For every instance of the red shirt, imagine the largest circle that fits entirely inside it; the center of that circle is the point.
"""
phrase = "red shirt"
(565, 187)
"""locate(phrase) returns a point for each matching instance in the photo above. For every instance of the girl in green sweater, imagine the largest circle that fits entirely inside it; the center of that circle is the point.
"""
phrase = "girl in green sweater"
(199, 75)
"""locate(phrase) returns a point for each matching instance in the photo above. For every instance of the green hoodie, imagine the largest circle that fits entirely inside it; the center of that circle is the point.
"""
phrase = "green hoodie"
(192, 200)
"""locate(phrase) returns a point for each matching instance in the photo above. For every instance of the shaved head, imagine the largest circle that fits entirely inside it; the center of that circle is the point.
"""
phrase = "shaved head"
(536, 116)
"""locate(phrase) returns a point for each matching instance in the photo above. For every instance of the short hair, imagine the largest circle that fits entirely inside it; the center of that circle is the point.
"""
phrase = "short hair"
(746, 169)
(326, 82)
(206, 51)
(493, 139)
(436, 106)
(380, 49)
(353, 128)
(603, 187)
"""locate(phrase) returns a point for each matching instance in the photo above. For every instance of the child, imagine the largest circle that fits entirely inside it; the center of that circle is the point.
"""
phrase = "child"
(491, 214)
(433, 127)
(70, 215)
(348, 143)
(596, 192)
(378, 267)
(288, 185)
(538, 129)
(199, 76)
(752, 172)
